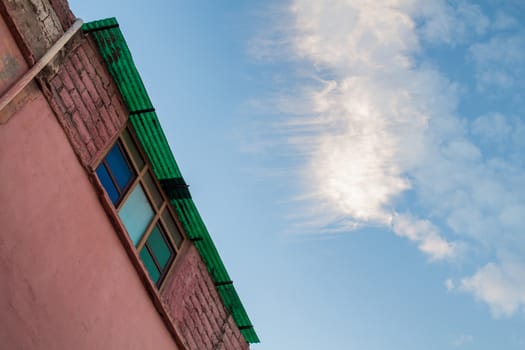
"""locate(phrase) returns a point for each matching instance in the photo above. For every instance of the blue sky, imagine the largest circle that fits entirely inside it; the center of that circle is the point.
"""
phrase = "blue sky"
(359, 163)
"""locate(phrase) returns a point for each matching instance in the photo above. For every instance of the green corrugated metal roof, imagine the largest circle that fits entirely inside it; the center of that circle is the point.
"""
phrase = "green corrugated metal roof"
(120, 64)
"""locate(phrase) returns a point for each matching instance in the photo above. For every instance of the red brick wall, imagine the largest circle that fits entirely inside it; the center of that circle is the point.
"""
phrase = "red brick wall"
(196, 307)
(87, 101)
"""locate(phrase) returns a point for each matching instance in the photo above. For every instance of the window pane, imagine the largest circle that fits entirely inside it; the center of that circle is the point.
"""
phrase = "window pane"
(153, 190)
(159, 247)
(136, 214)
(154, 273)
(108, 184)
(135, 154)
(172, 227)
(119, 167)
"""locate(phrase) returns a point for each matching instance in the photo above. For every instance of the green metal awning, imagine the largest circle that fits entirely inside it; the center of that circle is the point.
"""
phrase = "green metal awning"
(144, 120)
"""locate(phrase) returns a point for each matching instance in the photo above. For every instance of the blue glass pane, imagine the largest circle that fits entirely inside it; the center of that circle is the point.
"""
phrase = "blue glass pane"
(104, 178)
(136, 214)
(159, 247)
(119, 167)
(154, 273)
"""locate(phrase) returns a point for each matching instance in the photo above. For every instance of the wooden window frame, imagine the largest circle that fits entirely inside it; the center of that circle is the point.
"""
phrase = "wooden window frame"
(138, 179)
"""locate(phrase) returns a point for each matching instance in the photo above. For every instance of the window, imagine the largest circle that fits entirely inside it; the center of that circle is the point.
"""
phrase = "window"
(141, 206)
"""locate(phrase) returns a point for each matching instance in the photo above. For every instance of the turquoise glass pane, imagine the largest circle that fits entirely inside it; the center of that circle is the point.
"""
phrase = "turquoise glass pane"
(159, 247)
(136, 214)
(119, 167)
(108, 184)
(154, 273)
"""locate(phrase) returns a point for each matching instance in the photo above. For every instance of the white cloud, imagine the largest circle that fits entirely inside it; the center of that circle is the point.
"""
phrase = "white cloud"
(354, 36)
(426, 235)
(374, 124)
(501, 286)
(377, 115)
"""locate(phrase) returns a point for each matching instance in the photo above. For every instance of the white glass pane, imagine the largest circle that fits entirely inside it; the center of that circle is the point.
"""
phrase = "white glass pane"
(136, 214)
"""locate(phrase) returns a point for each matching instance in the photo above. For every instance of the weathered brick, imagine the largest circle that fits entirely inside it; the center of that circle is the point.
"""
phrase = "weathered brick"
(112, 116)
(101, 90)
(188, 339)
(227, 341)
(213, 320)
(63, 12)
(66, 101)
(56, 83)
(80, 106)
(105, 79)
(81, 129)
(88, 121)
(75, 78)
(207, 341)
(210, 334)
(91, 148)
(76, 62)
(231, 337)
(94, 57)
(197, 329)
(116, 102)
(195, 303)
(64, 74)
(90, 88)
(91, 119)
(103, 133)
(95, 113)
(90, 105)
(99, 142)
(85, 61)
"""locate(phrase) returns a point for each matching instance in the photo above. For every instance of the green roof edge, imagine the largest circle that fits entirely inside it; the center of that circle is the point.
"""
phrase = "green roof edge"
(116, 54)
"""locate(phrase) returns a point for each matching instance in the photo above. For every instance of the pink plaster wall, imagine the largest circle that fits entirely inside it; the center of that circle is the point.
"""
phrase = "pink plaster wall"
(66, 280)
(12, 64)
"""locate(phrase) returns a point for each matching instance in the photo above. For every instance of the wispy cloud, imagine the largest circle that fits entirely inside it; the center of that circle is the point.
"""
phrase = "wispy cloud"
(462, 340)
(499, 61)
(377, 114)
(449, 284)
(385, 145)
(450, 23)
